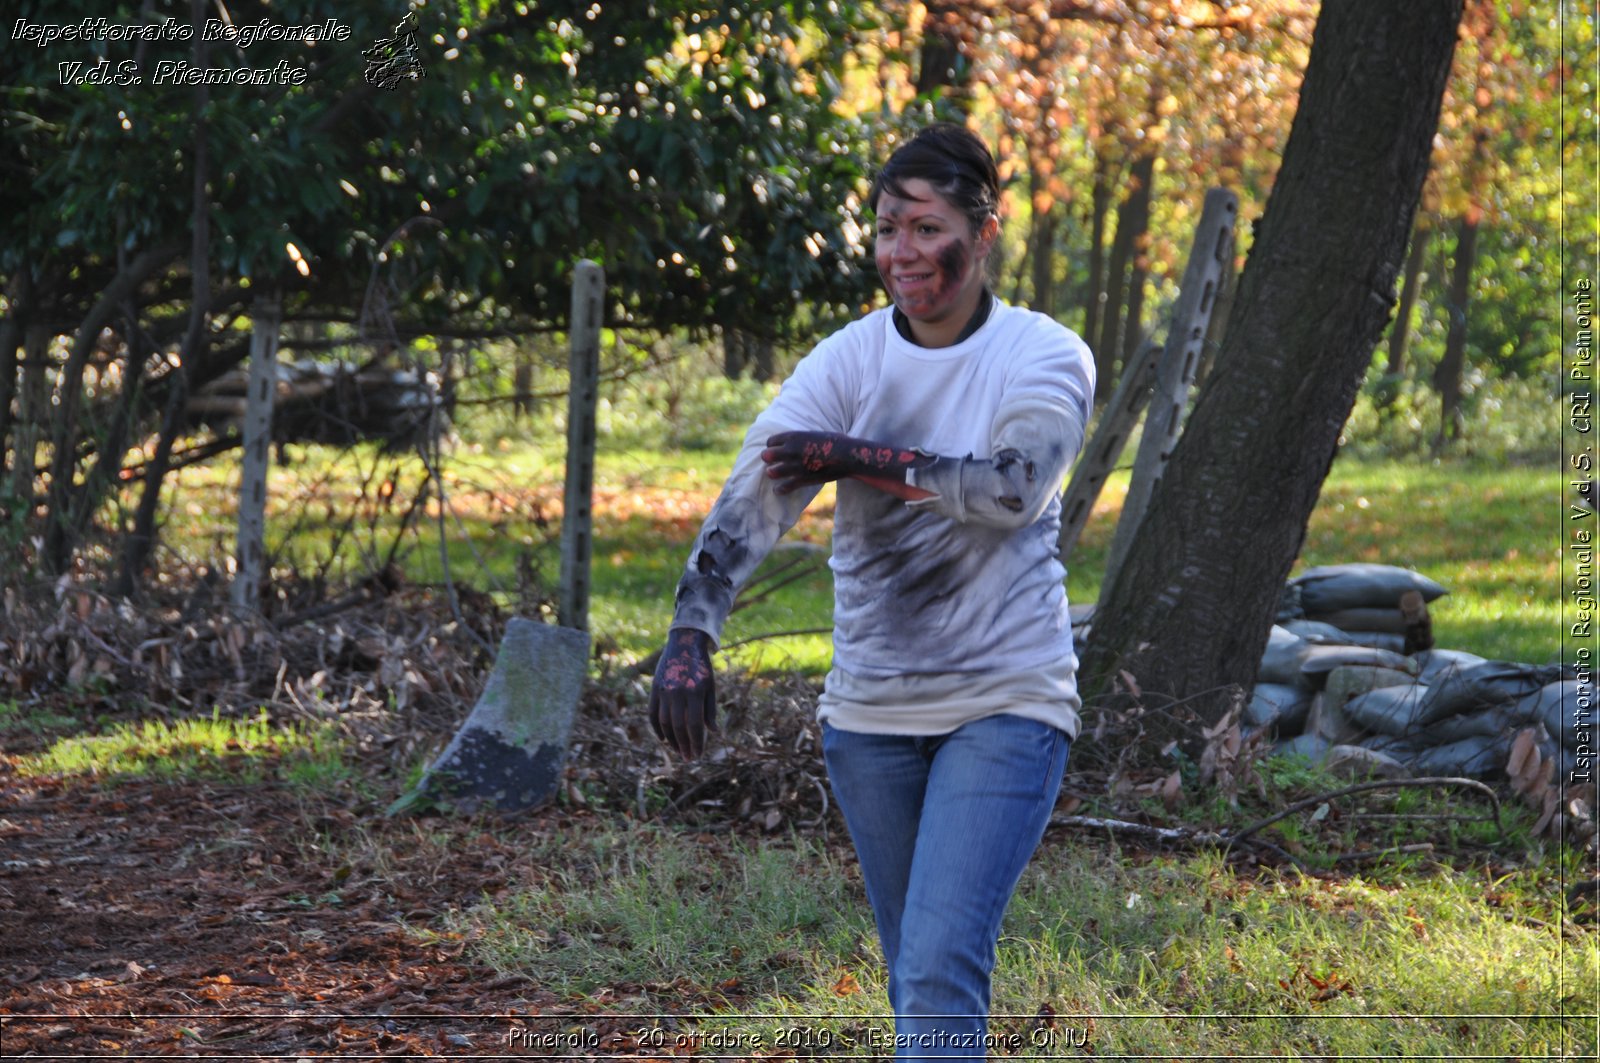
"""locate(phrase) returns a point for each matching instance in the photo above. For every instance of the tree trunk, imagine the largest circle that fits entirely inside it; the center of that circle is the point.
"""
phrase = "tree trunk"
(1447, 376)
(1044, 262)
(1133, 328)
(941, 63)
(140, 540)
(734, 353)
(1400, 332)
(112, 448)
(1132, 219)
(761, 354)
(11, 333)
(1094, 305)
(59, 543)
(1187, 614)
(33, 413)
(522, 383)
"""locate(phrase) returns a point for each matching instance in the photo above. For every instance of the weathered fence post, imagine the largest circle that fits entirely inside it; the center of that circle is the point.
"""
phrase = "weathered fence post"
(510, 752)
(1202, 277)
(265, 319)
(577, 520)
(1105, 446)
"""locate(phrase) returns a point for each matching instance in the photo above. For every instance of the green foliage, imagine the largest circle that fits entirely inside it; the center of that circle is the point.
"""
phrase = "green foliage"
(692, 150)
(1505, 419)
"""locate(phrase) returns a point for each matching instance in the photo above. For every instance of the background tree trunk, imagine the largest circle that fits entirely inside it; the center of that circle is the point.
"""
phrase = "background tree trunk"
(1094, 305)
(1044, 262)
(1187, 615)
(140, 540)
(1400, 332)
(11, 331)
(1447, 376)
(1133, 218)
(33, 413)
(940, 64)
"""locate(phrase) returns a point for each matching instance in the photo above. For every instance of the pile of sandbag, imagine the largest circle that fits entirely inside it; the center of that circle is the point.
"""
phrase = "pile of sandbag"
(1350, 697)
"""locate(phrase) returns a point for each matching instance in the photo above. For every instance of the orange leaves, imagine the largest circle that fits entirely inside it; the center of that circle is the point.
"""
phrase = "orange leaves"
(1316, 988)
(846, 985)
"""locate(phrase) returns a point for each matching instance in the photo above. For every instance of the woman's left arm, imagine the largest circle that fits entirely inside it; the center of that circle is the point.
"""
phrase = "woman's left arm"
(1037, 432)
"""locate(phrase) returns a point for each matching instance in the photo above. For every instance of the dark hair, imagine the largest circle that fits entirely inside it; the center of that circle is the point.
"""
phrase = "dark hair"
(951, 158)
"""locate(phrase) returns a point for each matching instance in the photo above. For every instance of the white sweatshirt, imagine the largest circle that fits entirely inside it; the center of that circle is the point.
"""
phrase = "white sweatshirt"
(946, 609)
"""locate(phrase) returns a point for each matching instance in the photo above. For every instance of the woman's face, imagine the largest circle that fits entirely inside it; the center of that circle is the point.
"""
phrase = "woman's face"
(930, 260)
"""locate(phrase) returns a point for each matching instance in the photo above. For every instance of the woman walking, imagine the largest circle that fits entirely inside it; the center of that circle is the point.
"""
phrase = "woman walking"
(949, 420)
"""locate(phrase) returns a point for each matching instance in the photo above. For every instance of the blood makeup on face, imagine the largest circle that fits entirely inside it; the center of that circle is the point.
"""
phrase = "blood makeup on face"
(925, 252)
(930, 298)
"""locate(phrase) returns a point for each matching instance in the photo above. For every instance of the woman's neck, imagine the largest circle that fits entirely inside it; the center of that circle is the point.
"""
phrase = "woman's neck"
(938, 335)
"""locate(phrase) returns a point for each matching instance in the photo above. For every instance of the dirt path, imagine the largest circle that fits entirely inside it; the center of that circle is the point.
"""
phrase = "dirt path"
(203, 919)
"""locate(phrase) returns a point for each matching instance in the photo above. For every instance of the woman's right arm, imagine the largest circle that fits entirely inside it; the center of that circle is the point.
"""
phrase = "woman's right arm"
(748, 519)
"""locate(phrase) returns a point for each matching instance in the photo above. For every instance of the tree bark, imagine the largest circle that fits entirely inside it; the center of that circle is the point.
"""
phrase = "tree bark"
(940, 63)
(1133, 328)
(64, 434)
(11, 332)
(734, 352)
(1400, 332)
(1188, 613)
(1043, 262)
(1094, 305)
(140, 540)
(1132, 219)
(1447, 376)
(33, 413)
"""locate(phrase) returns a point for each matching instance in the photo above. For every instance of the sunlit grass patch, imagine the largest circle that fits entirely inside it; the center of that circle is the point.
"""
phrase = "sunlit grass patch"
(1135, 954)
(1327, 968)
(249, 750)
(647, 907)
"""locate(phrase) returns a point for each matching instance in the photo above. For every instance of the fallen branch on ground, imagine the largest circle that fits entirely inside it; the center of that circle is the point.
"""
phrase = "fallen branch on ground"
(1228, 841)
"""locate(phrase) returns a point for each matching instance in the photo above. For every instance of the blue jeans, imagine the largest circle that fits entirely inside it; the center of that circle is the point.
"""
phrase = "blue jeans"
(943, 827)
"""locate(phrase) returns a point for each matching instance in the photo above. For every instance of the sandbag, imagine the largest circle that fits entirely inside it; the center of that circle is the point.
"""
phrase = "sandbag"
(1480, 757)
(1401, 748)
(1483, 686)
(1376, 640)
(1360, 585)
(1280, 706)
(1561, 705)
(1317, 661)
(1344, 683)
(1308, 746)
(1433, 664)
(1289, 607)
(1317, 632)
(1328, 721)
(1363, 618)
(1391, 710)
(1502, 719)
(1359, 762)
(1280, 661)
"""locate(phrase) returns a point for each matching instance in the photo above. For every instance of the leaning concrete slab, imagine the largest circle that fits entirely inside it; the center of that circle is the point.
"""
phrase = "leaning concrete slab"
(509, 753)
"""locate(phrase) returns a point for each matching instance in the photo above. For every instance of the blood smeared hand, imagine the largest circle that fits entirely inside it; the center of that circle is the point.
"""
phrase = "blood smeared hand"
(803, 459)
(683, 697)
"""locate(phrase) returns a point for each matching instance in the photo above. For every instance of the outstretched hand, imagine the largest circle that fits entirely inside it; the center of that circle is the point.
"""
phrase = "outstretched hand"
(683, 697)
(804, 459)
